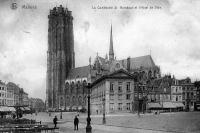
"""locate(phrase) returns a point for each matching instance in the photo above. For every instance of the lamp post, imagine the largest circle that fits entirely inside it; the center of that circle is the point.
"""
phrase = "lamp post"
(60, 113)
(138, 99)
(59, 106)
(88, 127)
(104, 116)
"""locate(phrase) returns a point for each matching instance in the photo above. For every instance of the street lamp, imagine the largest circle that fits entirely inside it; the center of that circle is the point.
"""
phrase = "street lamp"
(138, 99)
(60, 107)
(88, 127)
(60, 113)
(104, 116)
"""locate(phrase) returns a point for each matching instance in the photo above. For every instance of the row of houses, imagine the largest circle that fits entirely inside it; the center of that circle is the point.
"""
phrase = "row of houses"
(11, 95)
(120, 92)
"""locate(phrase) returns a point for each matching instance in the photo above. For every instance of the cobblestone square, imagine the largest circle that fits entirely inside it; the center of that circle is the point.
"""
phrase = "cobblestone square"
(183, 122)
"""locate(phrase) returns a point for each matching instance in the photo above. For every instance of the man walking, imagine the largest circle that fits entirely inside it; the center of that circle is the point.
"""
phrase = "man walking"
(55, 119)
(76, 121)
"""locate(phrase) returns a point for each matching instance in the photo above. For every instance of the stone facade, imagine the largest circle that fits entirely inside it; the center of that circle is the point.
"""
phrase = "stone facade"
(113, 93)
(189, 92)
(10, 97)
(3, 94)
(197, 89)
(15, 88)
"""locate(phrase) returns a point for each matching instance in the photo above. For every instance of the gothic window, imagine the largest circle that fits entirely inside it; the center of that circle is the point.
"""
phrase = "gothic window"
(150, 74)
(61, 102)
(67, 88)
(154, 74)
(78, 87)
(85, 100)
(72, 87)
(79, 99)
(143, 75)
(67, 100)
(84, 86)
(73, 100)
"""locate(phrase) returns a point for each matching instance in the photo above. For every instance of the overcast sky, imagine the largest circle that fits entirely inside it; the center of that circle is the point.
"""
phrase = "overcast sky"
(171, 33)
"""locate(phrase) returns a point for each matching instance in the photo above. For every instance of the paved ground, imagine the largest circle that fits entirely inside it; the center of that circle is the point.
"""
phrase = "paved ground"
(128, 123)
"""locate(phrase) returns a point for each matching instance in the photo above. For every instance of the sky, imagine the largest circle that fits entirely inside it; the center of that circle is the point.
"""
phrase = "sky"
(169, 33)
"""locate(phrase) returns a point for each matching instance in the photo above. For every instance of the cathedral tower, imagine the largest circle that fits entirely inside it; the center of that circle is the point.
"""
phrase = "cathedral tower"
(60, 54)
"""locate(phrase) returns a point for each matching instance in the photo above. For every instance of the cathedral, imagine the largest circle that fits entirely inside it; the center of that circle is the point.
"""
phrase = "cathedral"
(66, 84)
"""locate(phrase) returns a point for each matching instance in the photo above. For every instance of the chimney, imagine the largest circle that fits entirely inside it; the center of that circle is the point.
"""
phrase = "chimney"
(128, 64)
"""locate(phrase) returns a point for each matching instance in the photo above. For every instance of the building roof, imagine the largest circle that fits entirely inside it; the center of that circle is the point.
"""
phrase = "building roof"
(80, 72)
(138, 62)
(2, 83)
(119, 74)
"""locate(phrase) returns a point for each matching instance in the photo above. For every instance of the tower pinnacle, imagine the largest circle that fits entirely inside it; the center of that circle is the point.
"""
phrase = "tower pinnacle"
(111, 51)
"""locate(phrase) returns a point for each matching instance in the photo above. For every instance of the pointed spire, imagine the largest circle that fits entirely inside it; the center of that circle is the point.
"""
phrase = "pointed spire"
(106, 57)
(111, 51)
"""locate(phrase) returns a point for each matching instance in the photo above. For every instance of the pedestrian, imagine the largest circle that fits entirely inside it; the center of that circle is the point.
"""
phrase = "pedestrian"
(55, 121)
(76, 121)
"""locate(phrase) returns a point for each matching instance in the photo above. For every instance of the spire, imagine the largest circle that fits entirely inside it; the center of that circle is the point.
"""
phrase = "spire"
(111, 51)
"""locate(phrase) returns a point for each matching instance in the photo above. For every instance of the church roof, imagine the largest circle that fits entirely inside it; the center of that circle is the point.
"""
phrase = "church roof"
(138, 62)
(80, 72)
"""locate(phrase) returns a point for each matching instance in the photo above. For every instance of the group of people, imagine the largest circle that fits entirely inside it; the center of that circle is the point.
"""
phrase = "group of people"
(76, 122)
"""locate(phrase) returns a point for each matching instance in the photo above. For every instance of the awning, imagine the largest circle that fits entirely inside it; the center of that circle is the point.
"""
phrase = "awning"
(74, 107)
(27, 108)
(4, 109)
(67, 108)
(22, 108)
(179, 104)
(153, 105)
(79, 107)
(168, 105)
(12, 109)
(7, 109)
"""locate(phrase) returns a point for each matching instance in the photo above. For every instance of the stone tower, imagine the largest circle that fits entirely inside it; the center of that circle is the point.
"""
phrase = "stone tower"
(60, 54)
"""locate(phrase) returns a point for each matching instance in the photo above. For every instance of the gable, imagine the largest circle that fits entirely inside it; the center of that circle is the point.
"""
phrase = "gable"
(121, 73)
